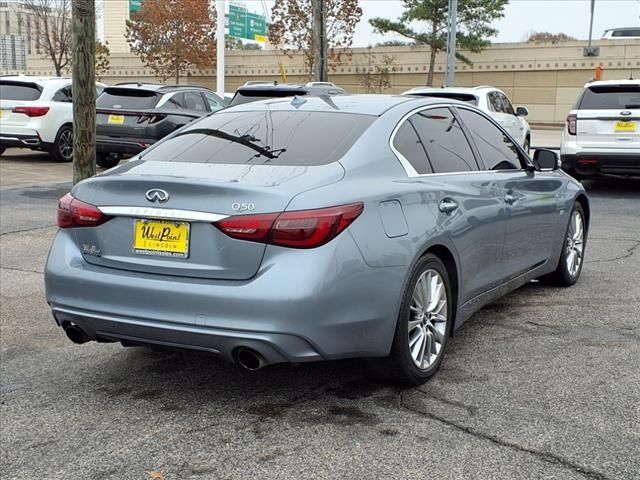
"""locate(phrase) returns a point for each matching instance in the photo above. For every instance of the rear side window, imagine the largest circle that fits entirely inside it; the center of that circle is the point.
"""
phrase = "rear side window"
(63, 95)
(19, 91)
(496, 148)
(264, 137)
(406, 142)
(130, 99)
(443, 139)
(610, 97)
(626, 33)
(495, 102)
(215, 103)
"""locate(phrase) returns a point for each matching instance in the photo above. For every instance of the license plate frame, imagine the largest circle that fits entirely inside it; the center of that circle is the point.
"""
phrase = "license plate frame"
(159, 247)
(116, 120)
(625, 126)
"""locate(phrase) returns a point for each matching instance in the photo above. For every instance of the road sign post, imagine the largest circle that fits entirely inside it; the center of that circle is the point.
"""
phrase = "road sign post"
(220, 47)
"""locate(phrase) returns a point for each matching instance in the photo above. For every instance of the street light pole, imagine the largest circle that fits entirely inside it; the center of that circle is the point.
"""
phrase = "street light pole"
(593, 7)
(220, 11)
(451, 43)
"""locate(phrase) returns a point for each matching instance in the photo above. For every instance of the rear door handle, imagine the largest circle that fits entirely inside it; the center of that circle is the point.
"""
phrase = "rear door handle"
(510, 198)
(447, 205)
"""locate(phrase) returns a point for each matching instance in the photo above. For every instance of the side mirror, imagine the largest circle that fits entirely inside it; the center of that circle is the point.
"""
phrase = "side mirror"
(522, 111)
(546, 159)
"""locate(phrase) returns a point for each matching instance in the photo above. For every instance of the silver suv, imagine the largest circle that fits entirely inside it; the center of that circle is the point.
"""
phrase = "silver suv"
(602, 134)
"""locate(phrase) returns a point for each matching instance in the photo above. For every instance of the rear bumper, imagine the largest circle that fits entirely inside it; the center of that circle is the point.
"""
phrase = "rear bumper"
(126, 146)
(585, 164)
(301, 306)
(21, 140)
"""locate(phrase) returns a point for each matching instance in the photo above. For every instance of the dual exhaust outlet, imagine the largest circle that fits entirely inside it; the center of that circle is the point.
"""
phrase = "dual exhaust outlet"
(246, 358)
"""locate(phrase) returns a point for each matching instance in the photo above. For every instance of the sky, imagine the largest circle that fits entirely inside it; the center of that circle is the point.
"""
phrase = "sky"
(521, 17)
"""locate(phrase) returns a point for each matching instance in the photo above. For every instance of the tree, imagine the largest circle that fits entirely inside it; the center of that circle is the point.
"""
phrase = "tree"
(375, 76)
(395, 43)
(171, 36)
(292, 27)
(542, 37)
(474, 25)
(234, 43)
(103, 61)
(52, 20)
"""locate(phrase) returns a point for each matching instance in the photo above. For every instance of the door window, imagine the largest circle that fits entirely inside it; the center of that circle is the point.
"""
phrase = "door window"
(496, 148)
(63, 95)
(409, 145)
(443, 139)
(495, 103)
(506, 104)
(214, 102)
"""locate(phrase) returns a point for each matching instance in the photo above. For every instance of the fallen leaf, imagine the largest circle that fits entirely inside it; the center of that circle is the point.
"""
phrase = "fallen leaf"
(156, 475)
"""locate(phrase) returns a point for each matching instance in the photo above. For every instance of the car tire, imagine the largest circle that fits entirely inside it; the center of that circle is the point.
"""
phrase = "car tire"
(572, 257)
(62, 149)
(423, 323)
(107, 160)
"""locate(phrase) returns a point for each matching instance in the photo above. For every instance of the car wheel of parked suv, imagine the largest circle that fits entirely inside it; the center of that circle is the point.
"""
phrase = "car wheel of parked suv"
(62, 150)
(107, 160)
(571, 258)
(423, 324)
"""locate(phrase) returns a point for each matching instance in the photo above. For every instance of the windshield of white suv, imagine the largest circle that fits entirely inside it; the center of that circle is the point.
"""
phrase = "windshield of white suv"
(610, 97)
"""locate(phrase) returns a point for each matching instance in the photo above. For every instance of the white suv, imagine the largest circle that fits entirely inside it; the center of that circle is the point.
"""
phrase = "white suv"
(602, 133)
(37, 113)
(490, 100)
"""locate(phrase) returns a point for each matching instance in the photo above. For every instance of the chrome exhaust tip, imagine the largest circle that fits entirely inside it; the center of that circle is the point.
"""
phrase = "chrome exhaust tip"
(249, 359)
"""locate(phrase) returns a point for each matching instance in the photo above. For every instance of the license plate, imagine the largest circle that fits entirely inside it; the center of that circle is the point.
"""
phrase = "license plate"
(164, 239)
(116, 119)
(625, 126)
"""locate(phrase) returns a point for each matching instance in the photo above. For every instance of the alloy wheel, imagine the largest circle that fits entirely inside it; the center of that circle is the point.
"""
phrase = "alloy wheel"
(574, 244)
(66, 144)
(427, 319)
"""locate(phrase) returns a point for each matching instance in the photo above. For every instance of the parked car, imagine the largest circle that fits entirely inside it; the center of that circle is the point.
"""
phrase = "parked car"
(625, 33)
(602, 134)
(253, 93)
(133, 116)
(490, 100)
(280, 231)
(37, 113)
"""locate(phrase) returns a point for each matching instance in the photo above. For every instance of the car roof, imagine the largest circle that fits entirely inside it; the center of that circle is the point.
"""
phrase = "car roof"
(620, 29)
(287, 87)
(612, 82)
(157, 87)
(465, 90)
(37, 80)
(354, 104)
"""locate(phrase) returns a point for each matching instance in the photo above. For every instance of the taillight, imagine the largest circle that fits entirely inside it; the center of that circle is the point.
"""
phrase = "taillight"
(572, 123)
(75, 213)
(297, 229)
(31, 111)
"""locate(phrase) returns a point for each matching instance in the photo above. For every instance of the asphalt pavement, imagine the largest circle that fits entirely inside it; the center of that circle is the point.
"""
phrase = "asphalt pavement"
(543, 384)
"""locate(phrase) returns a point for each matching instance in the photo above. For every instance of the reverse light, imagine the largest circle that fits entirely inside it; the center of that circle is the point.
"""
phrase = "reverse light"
(572, 124)
(76, 213)
(297, 229)
(31, 111)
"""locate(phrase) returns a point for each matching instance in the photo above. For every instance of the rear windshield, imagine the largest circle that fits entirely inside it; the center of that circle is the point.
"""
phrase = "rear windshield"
(610, 97)
(127, 98)
(264, 137)
(463, 97)
(19, 91)
(254, 95)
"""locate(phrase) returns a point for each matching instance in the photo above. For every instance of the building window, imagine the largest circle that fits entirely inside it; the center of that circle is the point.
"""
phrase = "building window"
(29, 34)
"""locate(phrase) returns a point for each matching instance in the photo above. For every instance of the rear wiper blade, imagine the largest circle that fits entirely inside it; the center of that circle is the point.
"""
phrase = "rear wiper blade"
(246, 140)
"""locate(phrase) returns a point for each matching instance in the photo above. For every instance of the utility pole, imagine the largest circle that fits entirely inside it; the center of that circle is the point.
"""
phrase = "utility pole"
(451, 44)
(319, 41)
(590, 51)
(84, 89)
(220, 12)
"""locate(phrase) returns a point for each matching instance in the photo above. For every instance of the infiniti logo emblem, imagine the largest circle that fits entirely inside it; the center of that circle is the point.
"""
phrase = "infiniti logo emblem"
(626, 113)
(157, 195)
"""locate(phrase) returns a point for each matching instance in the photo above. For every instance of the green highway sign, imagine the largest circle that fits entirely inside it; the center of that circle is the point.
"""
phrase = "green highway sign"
(243, 24)
(135, 6)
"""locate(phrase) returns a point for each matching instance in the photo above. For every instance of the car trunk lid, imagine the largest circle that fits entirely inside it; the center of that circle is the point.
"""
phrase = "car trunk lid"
(197, 197)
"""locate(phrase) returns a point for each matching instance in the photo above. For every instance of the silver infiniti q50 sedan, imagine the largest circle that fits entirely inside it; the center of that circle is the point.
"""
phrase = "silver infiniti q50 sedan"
(307, 229)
